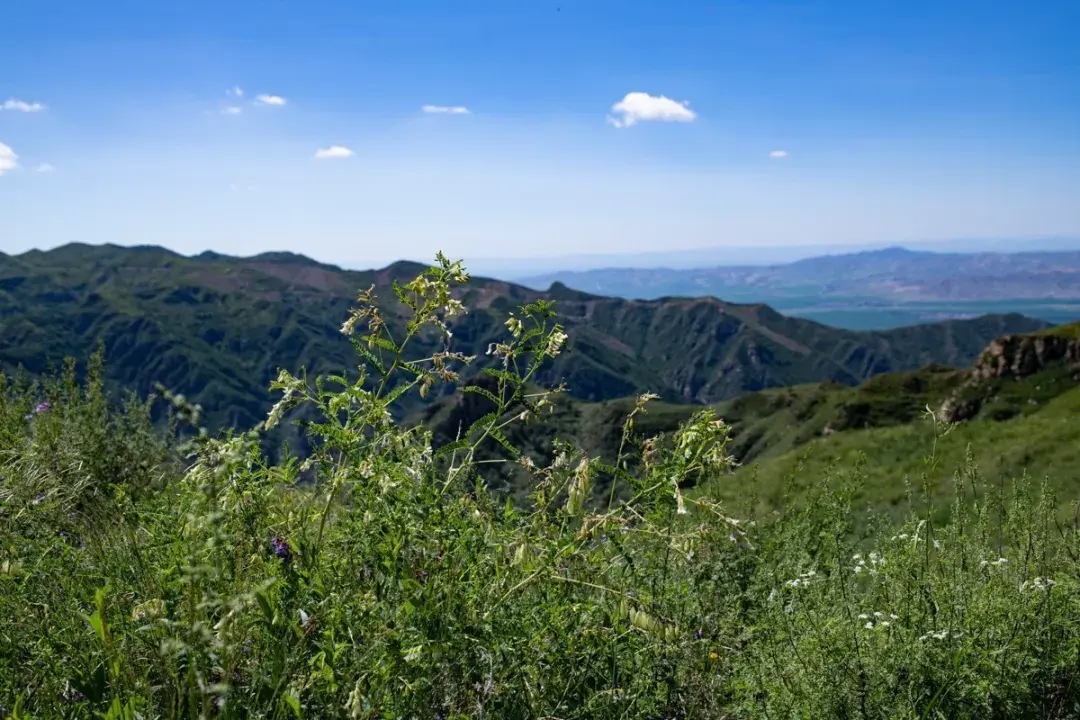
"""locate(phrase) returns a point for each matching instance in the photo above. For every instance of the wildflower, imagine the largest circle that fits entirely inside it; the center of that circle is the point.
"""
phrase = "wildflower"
(803, 580)
(555, 342)
(149, 610)
(1038, 584)
(514, 326)
(869, 626)
(281, 548)
(938, 635)
(713, 655)
(72, 695)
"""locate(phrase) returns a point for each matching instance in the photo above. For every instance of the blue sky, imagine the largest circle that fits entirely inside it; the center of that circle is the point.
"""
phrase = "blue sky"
(897, 121)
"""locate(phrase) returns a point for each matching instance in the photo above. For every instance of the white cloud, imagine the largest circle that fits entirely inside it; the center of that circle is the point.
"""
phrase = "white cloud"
(236, 91)
(8, 159)
(231, 110)
(446, 109)
(270, 100)
(45, 168)
(641, 107)
(778, 154)
(21, 106)
(332, 152)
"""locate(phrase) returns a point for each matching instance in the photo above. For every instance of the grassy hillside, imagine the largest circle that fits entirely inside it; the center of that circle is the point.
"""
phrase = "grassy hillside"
(217, 329)
(1025, 421)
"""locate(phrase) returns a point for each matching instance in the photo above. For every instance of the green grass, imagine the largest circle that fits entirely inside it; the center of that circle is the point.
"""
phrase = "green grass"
(376, 578)
(1070, 331)
(1045, 443)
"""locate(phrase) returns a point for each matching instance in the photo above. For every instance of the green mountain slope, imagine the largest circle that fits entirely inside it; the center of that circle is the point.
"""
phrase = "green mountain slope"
(217, 328)
(1018, 411)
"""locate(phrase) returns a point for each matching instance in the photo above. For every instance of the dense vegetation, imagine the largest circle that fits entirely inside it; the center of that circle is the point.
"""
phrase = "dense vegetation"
(144, 578)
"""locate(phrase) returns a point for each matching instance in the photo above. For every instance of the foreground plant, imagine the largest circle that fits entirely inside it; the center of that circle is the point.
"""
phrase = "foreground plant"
(377, 578)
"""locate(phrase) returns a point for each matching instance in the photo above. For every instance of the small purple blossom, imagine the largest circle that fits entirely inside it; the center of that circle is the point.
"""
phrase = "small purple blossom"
(42, 407)
(281, 548)
(73, 696)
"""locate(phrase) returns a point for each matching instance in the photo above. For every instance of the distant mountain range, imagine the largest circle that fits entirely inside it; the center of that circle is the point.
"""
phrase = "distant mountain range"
(217, 328)
(756, 255)
(891, 274)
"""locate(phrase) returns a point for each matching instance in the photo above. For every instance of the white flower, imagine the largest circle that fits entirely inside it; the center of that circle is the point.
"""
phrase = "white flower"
(869, 626)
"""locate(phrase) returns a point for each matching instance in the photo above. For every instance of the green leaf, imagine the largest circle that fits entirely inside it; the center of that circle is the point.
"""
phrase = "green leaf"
(367, 355)
(293, 702)
(264, 606)
(482, 391)
(451, 447)
(510, 448)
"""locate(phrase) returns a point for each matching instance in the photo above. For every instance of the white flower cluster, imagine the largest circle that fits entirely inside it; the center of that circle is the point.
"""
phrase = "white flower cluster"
(877, 620)
(915, 536)
(876, 563)
(940, 635)
(803, 580)
(1037, 584)
(999, 562)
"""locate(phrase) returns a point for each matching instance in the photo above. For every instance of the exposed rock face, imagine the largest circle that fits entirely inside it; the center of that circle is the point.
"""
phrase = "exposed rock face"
(1012, 356)
(1022, 355)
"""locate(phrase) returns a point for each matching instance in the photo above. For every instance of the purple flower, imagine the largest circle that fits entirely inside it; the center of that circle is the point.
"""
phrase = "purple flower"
(73, 696)
(281, 548)
(42, 407)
